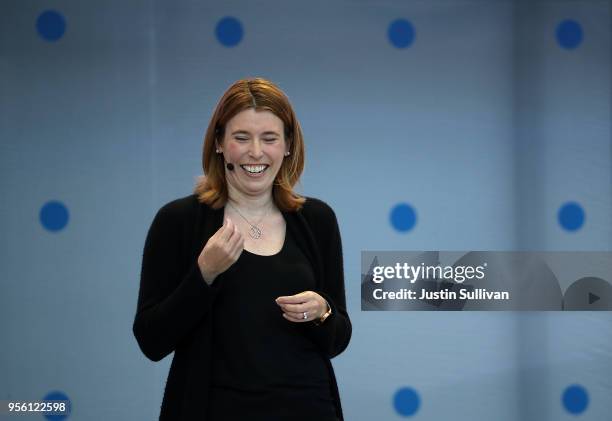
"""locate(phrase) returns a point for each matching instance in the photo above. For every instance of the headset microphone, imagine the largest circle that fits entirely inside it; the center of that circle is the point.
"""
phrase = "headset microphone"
(229, 166)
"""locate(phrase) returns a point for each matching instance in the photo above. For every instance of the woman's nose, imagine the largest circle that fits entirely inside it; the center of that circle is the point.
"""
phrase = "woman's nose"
(255, 150)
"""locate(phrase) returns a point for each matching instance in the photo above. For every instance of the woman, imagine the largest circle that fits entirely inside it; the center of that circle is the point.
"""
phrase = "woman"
(243, 280)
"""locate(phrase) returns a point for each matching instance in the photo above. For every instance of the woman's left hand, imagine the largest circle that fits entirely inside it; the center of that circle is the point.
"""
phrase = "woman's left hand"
(303, 307)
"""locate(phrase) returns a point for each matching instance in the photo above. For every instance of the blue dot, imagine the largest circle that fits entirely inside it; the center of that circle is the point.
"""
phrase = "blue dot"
(406, 401)
(54, 216)
(401, 33)
(51, 25)
(58, 396)
(575, 399)
(403, 217)
(569, 34)
(229, 31)
(571, 216)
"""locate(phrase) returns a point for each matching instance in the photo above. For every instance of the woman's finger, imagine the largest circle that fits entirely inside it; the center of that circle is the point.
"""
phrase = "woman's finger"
(294, 319)
(236, 252)
(233, 236)
(236, 243)
(310, 315)
(294, 299)
(226, 230)
(296, 308)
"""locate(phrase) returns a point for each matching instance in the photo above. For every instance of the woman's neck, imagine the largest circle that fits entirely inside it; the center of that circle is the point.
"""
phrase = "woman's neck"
(253, 205)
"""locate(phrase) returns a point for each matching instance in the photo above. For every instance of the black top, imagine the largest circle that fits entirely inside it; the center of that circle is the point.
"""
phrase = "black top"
(264, 366)
(175, 305)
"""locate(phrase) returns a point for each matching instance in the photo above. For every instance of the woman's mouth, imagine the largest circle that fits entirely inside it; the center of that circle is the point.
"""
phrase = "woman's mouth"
(254, 169)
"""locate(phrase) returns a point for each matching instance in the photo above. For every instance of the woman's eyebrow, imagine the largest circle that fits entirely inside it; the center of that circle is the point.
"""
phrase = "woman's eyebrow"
(240, 132)
(267, 132)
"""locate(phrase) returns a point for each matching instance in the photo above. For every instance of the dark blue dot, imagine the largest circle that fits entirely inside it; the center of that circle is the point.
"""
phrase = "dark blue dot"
(401, 33)
(57, 396)
(406, 401)
(51, 25)
(569, 34)
(571, 216)
(229, 31)
(403, 217)
(575, 399)
(54, 215)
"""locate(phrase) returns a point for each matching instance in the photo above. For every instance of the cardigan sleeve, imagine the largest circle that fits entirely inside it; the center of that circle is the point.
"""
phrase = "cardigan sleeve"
(334, 334)
(171, 301)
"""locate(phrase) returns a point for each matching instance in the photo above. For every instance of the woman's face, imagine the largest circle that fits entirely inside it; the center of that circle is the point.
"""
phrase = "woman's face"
(254, 142)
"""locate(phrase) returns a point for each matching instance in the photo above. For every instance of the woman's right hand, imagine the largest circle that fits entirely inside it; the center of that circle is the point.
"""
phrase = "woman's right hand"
(221, 251)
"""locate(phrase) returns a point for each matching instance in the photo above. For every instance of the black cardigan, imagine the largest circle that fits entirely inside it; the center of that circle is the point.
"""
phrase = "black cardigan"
(174, 302)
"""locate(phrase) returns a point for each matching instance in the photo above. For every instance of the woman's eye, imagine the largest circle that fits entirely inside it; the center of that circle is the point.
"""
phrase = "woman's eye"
(270, 140)
(241, 139)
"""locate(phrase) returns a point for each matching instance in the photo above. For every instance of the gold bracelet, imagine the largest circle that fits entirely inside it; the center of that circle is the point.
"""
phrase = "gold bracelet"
(324, 316)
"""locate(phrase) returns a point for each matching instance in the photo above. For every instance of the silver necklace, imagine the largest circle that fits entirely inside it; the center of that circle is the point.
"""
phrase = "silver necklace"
(254, 232)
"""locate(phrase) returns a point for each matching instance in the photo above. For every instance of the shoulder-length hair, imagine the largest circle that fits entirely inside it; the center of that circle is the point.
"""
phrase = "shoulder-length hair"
(259, 94)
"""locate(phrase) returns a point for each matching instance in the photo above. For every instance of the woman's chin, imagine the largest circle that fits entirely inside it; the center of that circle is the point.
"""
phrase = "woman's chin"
(254, 189)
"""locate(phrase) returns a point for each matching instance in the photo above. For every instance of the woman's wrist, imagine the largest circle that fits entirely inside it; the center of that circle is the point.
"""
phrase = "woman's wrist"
(325, 315)
(208, 277)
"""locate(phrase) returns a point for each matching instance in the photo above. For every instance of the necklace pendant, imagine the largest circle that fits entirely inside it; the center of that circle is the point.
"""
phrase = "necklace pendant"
(255, 233)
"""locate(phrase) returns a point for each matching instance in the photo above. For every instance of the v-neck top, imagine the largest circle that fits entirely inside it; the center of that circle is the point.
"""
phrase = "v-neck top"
(264, 366)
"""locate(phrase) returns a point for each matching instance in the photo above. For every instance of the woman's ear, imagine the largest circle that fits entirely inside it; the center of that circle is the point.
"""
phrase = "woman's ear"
(288, 146)
(218, 147)
(218, 144)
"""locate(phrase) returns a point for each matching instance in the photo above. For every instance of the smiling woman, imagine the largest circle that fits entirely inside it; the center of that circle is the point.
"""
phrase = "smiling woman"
(244, 279)
(253, 112)
(254, 140)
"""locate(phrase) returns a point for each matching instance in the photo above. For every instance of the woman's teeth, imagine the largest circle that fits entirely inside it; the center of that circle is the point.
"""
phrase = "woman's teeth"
(254, 169)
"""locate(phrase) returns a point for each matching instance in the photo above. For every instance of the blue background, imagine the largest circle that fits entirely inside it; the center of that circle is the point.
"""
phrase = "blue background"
(429, 125)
